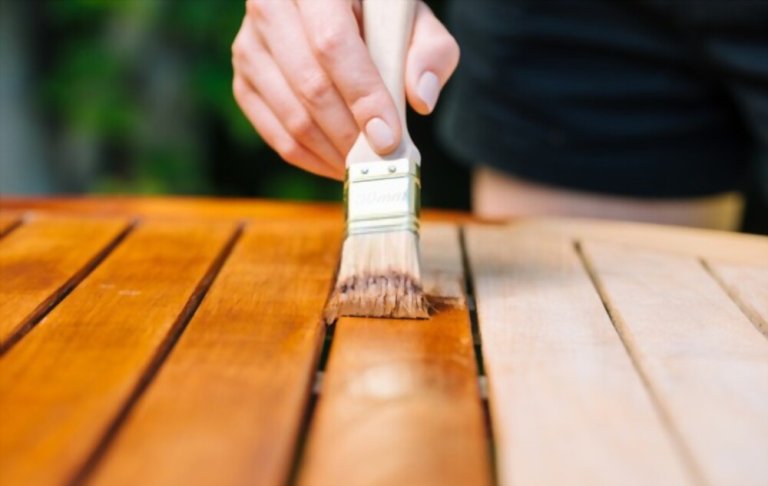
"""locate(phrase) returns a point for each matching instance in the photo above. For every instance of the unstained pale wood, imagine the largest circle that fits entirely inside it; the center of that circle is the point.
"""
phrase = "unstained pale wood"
(715, 245)
(227, 406)
(400, 401)
(65, 383)
(748, 287)
(567, 404)
(43, 259)
(703, 359)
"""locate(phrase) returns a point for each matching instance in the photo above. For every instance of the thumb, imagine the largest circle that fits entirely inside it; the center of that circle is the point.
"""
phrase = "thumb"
(432, 58)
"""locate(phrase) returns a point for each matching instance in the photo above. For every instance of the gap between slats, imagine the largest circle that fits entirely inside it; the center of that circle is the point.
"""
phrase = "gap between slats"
(59, 295)
(186, 314)
(753, 315)
(311, 406)
(664, 415)
(8, 225)
(482, 380)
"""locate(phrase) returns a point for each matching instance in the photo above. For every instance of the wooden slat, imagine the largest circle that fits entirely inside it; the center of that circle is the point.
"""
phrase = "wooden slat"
(748, 287)
(64, 384)
(714, 245)
(227, 406)
(8, 221)
(42, 260)
(704, 360)
(566, 402)
(399, 401)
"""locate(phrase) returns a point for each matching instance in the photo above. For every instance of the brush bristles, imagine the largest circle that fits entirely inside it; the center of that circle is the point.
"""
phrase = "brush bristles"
(379, 276)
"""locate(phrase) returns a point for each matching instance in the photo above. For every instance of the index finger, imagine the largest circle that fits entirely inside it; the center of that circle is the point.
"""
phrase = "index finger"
(334, 35)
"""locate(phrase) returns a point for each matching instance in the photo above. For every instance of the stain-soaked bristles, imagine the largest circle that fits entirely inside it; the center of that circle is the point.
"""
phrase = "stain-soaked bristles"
(379, 276)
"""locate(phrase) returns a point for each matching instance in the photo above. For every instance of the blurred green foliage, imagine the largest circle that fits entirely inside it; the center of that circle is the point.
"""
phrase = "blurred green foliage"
(139, 92)
(148, 82)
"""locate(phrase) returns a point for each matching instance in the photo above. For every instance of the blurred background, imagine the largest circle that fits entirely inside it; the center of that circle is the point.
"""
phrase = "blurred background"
(134, 97)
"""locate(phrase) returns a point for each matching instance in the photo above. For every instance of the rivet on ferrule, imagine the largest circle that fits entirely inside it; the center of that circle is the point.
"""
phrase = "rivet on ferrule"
(382, 196)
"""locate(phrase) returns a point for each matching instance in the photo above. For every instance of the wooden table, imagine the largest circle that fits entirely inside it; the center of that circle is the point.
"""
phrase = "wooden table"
(172, 341)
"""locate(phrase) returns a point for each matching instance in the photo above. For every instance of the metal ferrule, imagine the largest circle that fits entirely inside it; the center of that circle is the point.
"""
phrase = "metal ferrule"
(382, 196)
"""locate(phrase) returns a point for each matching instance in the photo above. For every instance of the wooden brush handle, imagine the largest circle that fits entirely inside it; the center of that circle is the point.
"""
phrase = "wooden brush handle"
(387, 27)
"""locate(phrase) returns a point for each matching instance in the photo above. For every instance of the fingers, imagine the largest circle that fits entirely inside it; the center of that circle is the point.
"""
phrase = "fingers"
(432, 58)
(272, 131)
(334, 36)
(280, 26)
(261, 72)
(305, 79)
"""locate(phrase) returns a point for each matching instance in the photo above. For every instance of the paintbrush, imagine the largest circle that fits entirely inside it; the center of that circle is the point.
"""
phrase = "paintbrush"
(379, 273)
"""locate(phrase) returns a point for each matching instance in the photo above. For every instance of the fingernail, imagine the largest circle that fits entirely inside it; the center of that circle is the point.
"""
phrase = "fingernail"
(379, 134)
(428, 89)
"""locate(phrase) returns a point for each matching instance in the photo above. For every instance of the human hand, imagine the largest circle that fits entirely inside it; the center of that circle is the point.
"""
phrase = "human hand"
(305, 80)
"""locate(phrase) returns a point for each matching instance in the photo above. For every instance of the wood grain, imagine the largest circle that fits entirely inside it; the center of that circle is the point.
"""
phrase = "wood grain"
(567, 404)
(42, 260)
(399, 402)
(703, 359)
(227, 406)
(64, 384)
(710, 244)
(748, 287)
